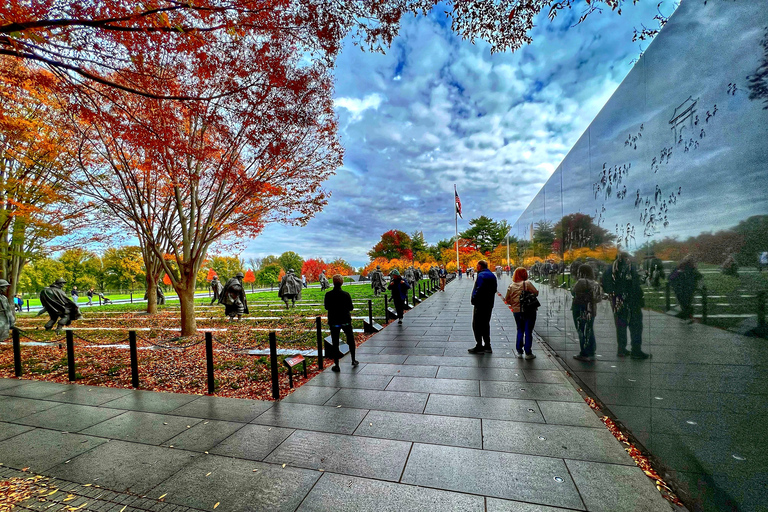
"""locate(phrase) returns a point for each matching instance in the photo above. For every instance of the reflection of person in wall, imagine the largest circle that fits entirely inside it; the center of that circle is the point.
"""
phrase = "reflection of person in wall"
(684, 280)
(622, 283)
(586, 294)
(729, 266)
(762, 261)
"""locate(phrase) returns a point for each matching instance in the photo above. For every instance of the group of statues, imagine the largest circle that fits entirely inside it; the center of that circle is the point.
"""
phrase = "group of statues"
(411, 275)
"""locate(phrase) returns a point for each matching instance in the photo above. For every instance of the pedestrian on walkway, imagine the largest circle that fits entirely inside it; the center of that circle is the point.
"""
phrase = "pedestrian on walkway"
(442, 274)
(339, 305)
(304, 281)
(586, 294)
(525, 320)
(19, 302)
(622, 282)
(483, 295)
(89, 294)
(399, 288)
(75, 294)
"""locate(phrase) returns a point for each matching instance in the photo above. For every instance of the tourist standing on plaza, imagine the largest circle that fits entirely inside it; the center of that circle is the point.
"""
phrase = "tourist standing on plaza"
(399, 288)
(586, 294)
(684, 280)
(339, 305)
(622, 283)
(442, 274)
(483, 295)
(525, 320)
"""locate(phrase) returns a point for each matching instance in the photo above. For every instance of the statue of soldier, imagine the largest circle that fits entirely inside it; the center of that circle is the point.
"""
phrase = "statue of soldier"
(233, 298)
(377, 281)
(216, 288)
(409, 276)
(324, 284)
(419, 274)
(7, 313)
(59, 307)
(160, 296)
(290, 288)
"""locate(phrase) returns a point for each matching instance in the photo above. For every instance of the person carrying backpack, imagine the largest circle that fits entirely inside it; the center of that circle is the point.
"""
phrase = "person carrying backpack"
(586, 294)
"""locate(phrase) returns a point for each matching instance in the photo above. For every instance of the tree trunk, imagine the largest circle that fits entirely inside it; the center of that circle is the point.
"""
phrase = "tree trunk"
(151, 294)
(187, 301)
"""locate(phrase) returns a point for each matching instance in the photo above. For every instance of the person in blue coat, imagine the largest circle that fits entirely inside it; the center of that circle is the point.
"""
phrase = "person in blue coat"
(483, 296)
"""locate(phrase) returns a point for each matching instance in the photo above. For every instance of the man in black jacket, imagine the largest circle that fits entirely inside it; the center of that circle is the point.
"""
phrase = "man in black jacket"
(483, 295)
(338, 303)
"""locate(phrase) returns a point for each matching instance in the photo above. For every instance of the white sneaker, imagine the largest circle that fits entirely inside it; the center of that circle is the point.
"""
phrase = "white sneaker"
(530, 356)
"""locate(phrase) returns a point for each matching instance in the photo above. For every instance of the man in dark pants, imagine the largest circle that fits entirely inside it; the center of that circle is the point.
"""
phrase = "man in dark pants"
(483, 295)
(338, 303)
(622, 283)
(399, 289)
(442, 274)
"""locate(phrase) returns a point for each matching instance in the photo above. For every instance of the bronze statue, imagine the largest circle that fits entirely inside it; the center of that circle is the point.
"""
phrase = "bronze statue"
(324, 284)
(160, 296)
(60, 308)
(216, 289)
(290, 288)
(233, 298)
(7, 314)
(377, 281)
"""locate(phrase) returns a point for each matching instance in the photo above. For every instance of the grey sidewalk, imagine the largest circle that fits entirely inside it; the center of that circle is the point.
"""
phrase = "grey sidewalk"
(419, 425)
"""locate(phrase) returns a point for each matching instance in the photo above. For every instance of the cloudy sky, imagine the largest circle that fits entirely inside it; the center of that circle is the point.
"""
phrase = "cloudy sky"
(437, 111)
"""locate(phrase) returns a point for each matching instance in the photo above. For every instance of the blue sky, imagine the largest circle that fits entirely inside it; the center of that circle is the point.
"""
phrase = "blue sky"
(437, 111)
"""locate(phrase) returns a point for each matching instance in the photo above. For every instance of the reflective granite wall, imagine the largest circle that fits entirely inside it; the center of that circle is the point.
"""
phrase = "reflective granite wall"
(675, 166)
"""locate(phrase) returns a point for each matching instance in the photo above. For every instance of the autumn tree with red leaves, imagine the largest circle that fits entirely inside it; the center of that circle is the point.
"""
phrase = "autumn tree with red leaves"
(250, 277)
(393, 244)
(312, 268)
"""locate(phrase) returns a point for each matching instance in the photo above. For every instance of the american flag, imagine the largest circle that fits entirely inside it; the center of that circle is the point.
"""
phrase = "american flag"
(458, 201)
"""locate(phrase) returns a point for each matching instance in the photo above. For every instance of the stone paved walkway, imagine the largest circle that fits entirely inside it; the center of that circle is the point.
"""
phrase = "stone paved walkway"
(419, 425)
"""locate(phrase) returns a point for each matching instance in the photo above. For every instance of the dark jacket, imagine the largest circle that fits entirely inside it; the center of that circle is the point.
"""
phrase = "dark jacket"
(338, 303)
(484, 292)
(622, 282)
(399, 287)
(442, 273)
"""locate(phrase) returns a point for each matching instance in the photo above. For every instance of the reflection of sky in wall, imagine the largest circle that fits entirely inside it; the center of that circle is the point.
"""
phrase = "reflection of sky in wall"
(436, 111)
(723, 175)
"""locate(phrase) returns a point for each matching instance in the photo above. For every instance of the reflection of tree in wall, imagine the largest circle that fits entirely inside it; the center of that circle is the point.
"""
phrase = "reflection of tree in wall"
(746, 240)
(579, 230)
(758, 82)
(543, 238)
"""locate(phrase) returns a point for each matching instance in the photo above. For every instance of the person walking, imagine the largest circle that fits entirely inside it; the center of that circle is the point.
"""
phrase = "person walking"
(399, 288)
(442, 274)
(524, 320)
(684, 280)
(89, 294)
(622, 282)
(339, 305)
(483, 295)
(75, 294)
(586, 295)
(19, 302)
(303, 280)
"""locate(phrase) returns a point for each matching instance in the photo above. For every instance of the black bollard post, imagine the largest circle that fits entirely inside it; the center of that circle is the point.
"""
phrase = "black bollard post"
(761, 311)
(273, 364)
(319, 327)
(71, 354)
(16, 352)
(667, 297)
(209, 363)
(386, 309)
(370, 312)
(27, 305)
(704, 304)
(134, 359)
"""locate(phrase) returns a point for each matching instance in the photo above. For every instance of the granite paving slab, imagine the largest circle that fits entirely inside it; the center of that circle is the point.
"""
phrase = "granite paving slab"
(10, 383)
(339, 420)
(441, 386)
(8, 430)
(400, 370)
(563, 442)
(615, 488)
(382, 459)
(530, 390)
(142, 427)
(356, 380)
(569, 413)
(150, 401)
(123, 466)
(13, 408)
(497, 474)
(315, 395)
(236, 485)
(422, 428)
(88, 395)
(345, 493)
(204, 436)
(252, 442)
(497, 505)
(465, 372)
(397, 401)
(35, 389)
(483, 407)
(224, 409)
(41, 449)
(69, 417)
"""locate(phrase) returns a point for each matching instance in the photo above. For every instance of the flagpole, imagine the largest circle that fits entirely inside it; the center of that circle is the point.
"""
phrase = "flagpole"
(456, 218)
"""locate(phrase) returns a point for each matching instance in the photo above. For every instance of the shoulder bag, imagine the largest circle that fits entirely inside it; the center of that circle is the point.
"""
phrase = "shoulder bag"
(529, 303)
